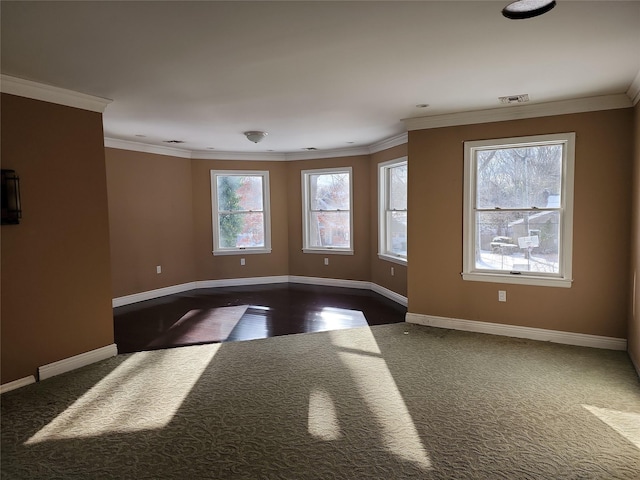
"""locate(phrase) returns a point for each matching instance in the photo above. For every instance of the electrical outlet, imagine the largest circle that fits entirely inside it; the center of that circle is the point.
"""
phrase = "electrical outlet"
(502, 295)
(393, 272)
(158, 269)
(242, 262)
(326, 261)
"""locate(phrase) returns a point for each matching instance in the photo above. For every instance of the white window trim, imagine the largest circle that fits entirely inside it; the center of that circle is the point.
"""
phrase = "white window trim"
(305, 174)
(383, 195)
(266, 208)
(564, 278)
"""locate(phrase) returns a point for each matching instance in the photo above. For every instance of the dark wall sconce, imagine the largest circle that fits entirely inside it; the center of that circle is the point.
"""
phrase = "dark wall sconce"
(11, 210)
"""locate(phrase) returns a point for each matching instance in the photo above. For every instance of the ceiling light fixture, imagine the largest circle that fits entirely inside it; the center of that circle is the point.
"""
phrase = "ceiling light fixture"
(255, 136)
(522, 9)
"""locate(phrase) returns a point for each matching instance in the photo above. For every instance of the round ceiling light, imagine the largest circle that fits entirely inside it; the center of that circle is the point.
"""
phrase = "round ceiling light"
(522, 9)
(255, 136)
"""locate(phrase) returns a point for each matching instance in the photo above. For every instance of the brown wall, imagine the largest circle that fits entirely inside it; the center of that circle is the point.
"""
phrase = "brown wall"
(160, 214)
(381, 269)
(56, 289)
(151, 220)
(597, 301)
(210, 267)
(634, 305)
(347, 267)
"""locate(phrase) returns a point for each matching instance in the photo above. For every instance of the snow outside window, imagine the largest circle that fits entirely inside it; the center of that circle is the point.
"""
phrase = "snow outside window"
(518, 210)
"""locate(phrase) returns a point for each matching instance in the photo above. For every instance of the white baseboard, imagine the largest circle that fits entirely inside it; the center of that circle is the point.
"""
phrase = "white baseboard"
(567, 338)
(390, 294)
(77, 361)
(237, 282)
(330, 282)
(151, 294)
(21, 382)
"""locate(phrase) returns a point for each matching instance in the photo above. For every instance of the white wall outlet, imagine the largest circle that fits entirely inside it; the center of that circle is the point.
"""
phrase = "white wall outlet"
(393, 272)
(326, 261)
(158, 269)
(242, 262)
(502, 295)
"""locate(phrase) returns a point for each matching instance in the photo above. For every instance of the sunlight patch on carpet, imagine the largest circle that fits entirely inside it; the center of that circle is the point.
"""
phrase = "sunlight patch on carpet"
(626, 424)
(381, 395)
(143, 393)
(323, 420)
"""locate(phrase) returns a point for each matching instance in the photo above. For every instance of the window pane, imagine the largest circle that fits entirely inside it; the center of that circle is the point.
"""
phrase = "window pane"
(329, 229)
(242, 230)
(398, 187)
(237, 192)
(329, 191)
(519, 177)
(518, 241)
(397, 231)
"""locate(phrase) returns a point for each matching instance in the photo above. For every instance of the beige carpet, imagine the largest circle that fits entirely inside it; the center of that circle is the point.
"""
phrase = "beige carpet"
(387, 402)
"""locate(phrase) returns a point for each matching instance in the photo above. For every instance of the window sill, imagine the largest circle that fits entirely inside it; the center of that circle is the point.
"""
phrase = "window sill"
(325, 251)
(392, 258)
(518, 279)
(242, 251)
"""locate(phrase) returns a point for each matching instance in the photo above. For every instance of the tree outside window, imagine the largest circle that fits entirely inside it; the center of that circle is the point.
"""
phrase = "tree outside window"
(519, 207)
(241, 220)
(327, 209)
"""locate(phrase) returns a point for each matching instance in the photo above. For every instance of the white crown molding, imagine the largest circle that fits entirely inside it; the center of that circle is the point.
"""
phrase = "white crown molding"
(145, 148)
(510, 112)
(256, 157)
(389, 143)
(21, 382)
(51, 94)
(336, 153)
(555, 336)
(77, 361)
(634, 90)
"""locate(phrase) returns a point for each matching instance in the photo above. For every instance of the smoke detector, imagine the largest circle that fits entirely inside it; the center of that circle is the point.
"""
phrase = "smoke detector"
(514, 98)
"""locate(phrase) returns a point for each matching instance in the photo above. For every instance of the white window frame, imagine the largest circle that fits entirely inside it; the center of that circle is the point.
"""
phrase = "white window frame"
(266, 210)
(384, 253)
(564, 278)
(306, 211)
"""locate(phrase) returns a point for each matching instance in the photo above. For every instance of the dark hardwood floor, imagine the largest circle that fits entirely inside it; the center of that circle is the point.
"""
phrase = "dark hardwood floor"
(245, 313)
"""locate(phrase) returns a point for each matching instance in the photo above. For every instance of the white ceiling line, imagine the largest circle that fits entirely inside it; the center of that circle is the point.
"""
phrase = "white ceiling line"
(48, 93)
(580, 105)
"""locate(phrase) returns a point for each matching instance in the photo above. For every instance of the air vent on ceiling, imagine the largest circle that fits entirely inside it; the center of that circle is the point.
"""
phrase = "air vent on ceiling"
(173, 141)
(515, 98)
(310, 149)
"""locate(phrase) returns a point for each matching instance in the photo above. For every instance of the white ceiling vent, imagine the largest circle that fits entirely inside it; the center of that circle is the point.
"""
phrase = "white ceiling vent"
(514, 98)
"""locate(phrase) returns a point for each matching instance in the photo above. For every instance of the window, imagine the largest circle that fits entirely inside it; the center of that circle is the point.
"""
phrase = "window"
(392, 202)
(241, 223)
(518, 210)
(326, 210)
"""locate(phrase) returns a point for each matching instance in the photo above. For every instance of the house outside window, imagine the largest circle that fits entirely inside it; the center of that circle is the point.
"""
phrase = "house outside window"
(240, 207)
(392, 206)
(518, 210)
(327, 211)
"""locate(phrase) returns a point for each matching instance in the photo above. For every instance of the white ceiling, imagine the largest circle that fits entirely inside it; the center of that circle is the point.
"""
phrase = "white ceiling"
(329, 75)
